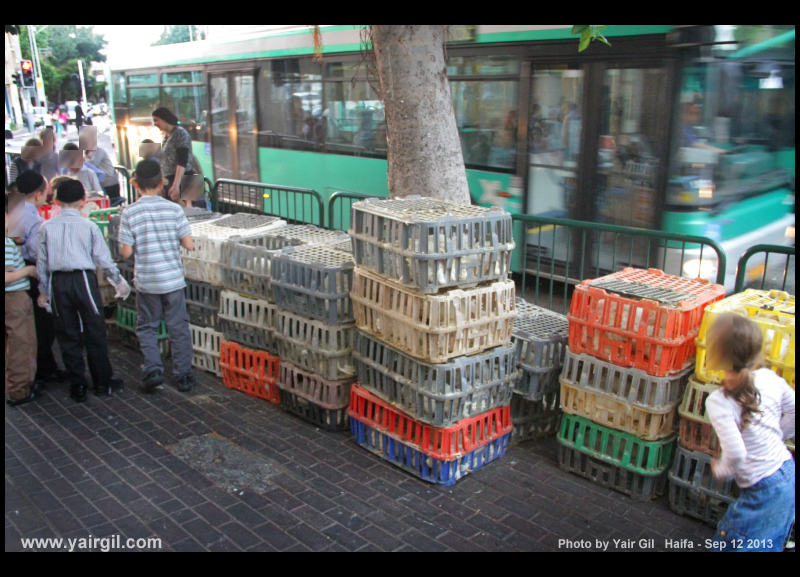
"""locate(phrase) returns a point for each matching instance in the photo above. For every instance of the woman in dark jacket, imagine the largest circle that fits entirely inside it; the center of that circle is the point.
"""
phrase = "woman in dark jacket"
(177, 161)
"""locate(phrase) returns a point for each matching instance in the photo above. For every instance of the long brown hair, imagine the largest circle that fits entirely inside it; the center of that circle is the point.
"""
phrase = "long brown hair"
(736, 341)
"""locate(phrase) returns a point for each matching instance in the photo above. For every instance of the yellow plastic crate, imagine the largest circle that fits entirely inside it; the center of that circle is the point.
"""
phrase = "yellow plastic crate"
(773, 312)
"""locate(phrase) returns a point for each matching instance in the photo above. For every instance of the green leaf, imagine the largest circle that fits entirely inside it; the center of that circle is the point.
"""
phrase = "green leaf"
(602, 39)
(599, 29)
(579, 28)
(586, 37)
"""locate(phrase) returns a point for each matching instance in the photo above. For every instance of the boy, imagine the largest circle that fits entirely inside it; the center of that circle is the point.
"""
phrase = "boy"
(71, 160)
(154, 228)
(34, 187)
(70, 249)
(21, 386)
(27, 160)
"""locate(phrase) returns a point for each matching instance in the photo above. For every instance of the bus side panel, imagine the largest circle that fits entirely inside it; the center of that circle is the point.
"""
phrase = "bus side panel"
(203, 158)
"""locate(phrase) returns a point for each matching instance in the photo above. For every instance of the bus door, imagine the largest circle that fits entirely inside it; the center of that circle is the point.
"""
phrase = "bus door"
(233, 125)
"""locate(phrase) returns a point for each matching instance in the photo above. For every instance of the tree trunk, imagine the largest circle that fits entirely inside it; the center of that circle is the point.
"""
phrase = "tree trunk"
(424, 146)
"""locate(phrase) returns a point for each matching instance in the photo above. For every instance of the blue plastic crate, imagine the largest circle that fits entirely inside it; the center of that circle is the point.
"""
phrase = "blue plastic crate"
(441, 471)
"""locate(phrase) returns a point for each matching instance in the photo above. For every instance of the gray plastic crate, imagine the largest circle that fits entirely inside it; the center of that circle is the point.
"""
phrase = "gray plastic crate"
(540, 337)
(314, 281)
(314, 346)
(247, 321)
(345, 245)
(534, 419)
(195, 214)
(694, 491)
(244, 220)
(430, 244)
(202, 301)
(639, 487)
(437, 394)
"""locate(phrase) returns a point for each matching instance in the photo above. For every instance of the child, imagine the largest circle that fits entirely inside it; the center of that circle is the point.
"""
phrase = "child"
(72, 162)
(34, 187)
(154, 228)
(54, 184)
(21, 386)
(70, 249)
(27, 160)
(752, 412)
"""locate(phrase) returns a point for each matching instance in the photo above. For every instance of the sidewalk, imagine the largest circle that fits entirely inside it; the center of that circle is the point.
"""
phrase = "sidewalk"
(109, 467)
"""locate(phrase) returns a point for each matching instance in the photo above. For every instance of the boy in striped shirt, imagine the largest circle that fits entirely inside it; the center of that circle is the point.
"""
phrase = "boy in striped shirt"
(154, 229)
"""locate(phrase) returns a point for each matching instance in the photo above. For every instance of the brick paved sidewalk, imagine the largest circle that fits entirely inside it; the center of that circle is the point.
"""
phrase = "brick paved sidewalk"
(105, 468)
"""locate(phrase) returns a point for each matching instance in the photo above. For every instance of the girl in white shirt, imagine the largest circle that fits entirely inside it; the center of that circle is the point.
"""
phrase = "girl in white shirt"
(752, 413)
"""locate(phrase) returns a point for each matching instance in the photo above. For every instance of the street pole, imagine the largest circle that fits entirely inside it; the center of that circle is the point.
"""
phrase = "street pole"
(40, 94)
(83, 87)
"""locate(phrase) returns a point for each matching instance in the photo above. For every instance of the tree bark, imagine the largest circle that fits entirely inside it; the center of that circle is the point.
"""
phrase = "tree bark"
(424, 146)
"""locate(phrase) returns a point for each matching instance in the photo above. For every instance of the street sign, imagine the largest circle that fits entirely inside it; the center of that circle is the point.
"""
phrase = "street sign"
(38, 83)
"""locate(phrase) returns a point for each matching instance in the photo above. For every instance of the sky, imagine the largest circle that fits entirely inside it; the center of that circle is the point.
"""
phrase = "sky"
(128, 38)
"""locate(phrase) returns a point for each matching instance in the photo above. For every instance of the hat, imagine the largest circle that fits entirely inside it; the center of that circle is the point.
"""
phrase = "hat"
(70, 191)
(30, 181)
(166, 115)
(148, 169)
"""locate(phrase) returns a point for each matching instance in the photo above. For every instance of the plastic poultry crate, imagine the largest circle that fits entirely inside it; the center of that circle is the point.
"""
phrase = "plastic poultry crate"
(197, 214)
(128, 338)
(314, 281)
(202, 301)
(434, 328)
(126, 269)
(697, 433)
(126, 319)
(430, 244)
(773, 311)
(247, 321)
(316, 347)
(312, 398)
(441, 471)
(439, 442)
(206, 344)
(437, 394)
(250, 371)
(636, 485)
(327, 419)
(534, 420)
(616, 447)
(693, 489)
(345, 245)
(640, 318)
(540, 338)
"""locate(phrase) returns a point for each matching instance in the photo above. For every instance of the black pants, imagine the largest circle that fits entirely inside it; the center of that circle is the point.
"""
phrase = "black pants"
(74, 307)
(112, 191)
(45, 334)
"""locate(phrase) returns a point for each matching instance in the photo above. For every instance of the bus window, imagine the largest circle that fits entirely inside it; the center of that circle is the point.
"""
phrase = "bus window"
(353, 121)
(289, 94)
(118, 88)
(142, 104)
(188, 103)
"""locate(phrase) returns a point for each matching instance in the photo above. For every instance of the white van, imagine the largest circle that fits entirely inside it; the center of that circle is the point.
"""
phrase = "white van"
(71, 104)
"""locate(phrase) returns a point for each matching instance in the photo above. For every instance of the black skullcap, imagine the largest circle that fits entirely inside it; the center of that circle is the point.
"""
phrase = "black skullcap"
(70, 191)
(147, 169)
(29, 181)
(166, 115)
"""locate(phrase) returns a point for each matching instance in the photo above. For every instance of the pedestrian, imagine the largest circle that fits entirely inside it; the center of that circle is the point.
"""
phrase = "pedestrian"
(99, 158)
(28, 159)
(70, 249)
(177, 161)
(21, 386)
(34, 187)
(149, 150)
(72, 164)
(752, 412)
(64, 120)
(154, 229)
(78, 118)
(55, 122)
(49, 157)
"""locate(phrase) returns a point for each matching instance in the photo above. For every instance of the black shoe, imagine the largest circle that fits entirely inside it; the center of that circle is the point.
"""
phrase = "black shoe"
(186, 383)
(154, 380)
(57, 375)
(113, 385)
(36, 392)
(78, 393)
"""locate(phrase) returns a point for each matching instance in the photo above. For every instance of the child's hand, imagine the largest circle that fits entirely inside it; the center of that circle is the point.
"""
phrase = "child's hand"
(43, 301)
(30, 271)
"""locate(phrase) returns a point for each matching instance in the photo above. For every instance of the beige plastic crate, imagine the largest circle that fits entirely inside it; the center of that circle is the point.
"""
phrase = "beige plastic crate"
(206, 346)
(434, 328)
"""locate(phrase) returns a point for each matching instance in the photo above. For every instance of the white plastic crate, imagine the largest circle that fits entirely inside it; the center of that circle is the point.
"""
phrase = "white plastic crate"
(247, 321)
(209, 235)
(206, 346)
(316, 347)
(434, 328)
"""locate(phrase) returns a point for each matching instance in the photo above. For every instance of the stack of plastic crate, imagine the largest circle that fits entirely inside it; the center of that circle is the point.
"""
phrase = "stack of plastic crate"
(540, 340)
(434, 310)
(631, 352)
(315, 330)
(693, 490)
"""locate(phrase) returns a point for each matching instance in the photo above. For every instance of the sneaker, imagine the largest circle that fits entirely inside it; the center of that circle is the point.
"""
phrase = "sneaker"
(186, 383)
(154, 380)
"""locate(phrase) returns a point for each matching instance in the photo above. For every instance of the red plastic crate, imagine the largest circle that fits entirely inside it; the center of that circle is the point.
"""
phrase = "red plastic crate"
(438, 442)
(655, 334)
(250, 371)
(45, 210)
(100, 201)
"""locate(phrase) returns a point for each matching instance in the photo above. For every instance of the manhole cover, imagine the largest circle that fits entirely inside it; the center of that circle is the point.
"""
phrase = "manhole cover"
(225, 463)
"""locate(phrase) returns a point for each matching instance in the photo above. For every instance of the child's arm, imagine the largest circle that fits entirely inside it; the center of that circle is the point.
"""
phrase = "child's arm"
(42, 269)
(787, 407)
(18, 274)
(185, 231)
(187, 242)
(720, 412)
(125, 236)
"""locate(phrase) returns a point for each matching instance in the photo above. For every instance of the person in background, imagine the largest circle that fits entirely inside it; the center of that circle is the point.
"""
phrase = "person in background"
(99, 158)
(64, 120)
(72, 165)
(691, 117)
(149, 150)
(54, 183)
(54, 119)
(49, 156)
(78, 117)
(752, 413)
(154, 229)
(27, 160)
(34, 187)
(21, 386)
(177, 161)
(571, 131)
(71, 248)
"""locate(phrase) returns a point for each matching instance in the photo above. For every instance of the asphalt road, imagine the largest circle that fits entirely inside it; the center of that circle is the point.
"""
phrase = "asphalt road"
(103, 124)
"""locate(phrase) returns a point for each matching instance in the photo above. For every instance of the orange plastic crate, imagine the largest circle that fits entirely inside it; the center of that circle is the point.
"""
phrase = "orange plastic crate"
(438, 442)
(250, 371)
(640, 318)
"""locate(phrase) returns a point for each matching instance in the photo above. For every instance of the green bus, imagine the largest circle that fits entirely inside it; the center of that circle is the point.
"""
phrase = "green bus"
(686, 129)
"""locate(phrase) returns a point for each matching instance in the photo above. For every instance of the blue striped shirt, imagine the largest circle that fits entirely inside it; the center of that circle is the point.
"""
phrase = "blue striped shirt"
(154, 227)
(70, 242)
(14, 263)
(32, 221)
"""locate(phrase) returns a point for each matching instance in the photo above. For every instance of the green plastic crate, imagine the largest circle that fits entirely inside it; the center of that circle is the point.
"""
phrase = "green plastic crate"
(126, 319)
(616, 447)
(100, 217)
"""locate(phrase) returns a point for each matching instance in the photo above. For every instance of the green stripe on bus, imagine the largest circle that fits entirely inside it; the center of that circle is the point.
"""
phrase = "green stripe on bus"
(564, 33)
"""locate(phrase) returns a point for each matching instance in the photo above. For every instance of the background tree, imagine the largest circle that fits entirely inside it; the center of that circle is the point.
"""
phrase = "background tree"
(175, 34)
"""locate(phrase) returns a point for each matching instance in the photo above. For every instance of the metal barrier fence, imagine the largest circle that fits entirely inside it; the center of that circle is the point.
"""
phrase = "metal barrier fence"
(344, 201)
(295, 205)
(124, 179)
(766, 249)
(568, 251)
(11, 154)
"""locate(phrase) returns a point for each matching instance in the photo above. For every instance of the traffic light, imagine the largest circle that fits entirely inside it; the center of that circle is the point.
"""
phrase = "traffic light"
(17, 79)
(12, 29)
(27, 74)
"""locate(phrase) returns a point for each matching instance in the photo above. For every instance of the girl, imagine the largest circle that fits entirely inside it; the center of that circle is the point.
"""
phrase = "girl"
(752, 412)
